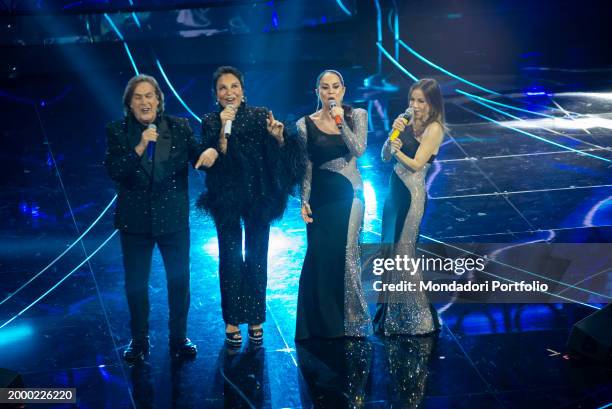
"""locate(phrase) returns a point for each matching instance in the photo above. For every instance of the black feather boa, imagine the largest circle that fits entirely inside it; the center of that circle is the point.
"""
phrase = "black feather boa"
(256, 176)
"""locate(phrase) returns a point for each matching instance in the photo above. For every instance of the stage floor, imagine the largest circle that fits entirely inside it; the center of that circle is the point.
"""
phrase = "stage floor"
(489, 184)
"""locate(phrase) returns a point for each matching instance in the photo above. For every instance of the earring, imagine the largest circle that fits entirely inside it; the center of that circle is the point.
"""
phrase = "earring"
(244, 99)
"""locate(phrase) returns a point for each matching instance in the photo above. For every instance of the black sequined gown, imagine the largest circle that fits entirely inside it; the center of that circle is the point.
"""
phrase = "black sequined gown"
(331, 302)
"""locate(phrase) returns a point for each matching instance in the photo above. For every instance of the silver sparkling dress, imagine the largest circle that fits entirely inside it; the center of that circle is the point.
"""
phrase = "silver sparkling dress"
(331, 300)
(401, 312)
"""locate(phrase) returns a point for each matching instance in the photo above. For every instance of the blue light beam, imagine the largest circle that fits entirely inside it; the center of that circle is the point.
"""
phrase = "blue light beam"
(163, 73)
(60, 281)
(439, 68)
(396, 63)
(63, 253)
(127, 49)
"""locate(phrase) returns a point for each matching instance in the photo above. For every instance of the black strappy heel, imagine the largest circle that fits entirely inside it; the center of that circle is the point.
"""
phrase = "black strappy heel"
(256, 335)
(233, 339)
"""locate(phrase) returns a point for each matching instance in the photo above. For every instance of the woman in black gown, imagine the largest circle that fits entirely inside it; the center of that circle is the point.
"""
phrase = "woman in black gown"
(414, 150)
(249, 177)
(331, 302)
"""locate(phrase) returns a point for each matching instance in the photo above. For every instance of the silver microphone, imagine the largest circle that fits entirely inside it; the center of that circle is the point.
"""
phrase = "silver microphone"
(227, 129)
(407, 115)
(337, 118)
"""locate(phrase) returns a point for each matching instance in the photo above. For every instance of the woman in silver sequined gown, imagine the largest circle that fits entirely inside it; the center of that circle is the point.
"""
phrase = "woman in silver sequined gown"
(331, 301)
(414, 150)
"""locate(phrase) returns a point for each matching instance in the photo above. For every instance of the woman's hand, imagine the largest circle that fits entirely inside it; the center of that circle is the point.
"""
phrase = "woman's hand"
(228, 114)
(396, 146)
(306, 213)
(400, 123)
(337, 111)
(275, 128)
(207, 158)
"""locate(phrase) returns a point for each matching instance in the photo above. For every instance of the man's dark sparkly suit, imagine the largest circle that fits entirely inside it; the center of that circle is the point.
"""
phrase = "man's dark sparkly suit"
(153, 208)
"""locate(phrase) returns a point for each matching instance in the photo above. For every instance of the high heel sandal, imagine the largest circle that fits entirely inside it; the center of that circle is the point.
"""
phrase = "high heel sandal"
(256, 335)
(233, 339)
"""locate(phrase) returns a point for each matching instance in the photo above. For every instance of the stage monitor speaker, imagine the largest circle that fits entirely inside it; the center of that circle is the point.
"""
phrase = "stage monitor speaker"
(591, 337)
(10, 379)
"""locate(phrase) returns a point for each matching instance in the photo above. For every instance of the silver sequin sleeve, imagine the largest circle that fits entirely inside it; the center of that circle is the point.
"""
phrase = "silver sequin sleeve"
(305, 190)
(385, 153)
(356, 138)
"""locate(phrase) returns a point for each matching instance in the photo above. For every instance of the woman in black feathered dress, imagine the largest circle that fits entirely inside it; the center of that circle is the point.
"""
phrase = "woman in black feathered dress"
(250, 175)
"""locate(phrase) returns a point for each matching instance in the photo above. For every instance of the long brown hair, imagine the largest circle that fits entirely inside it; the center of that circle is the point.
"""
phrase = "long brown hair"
(433, 96)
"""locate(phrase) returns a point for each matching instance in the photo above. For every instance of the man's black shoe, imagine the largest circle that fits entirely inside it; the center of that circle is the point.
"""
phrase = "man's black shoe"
(183, 348)
(137, 350)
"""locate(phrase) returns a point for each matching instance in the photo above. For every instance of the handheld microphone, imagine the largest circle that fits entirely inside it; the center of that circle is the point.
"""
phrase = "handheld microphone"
(337, 118)
(151, 145)
(227, 129)
(406, 117)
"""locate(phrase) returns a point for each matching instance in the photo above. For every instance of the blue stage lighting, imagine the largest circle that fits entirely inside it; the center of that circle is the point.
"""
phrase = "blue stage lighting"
(15, 334)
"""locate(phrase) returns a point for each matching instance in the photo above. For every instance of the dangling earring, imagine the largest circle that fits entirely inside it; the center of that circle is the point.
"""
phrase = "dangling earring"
(244, 99)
